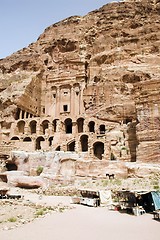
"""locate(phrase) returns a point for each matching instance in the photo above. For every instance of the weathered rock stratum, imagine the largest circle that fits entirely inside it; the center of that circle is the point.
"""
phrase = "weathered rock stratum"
(89, 85)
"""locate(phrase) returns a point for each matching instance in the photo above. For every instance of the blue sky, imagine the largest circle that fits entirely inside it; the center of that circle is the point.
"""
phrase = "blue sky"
(22, 21)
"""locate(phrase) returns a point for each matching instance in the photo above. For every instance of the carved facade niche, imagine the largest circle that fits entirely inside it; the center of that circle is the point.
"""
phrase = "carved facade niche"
(65, 99)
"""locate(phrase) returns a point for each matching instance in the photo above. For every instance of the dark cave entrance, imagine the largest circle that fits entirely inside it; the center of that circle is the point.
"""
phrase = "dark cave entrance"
(11, 167)
(98, 148)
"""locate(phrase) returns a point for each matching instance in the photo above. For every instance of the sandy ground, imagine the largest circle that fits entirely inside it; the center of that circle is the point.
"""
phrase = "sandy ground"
(17, 212)
(85, 223)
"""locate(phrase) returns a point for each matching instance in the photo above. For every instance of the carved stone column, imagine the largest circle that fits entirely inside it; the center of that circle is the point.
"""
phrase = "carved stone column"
(85, 126)
(72, 102)
(38, 129)
(25, 114)
(74, 128)
(58, 103)
(26, 129)
(77, 146)
(20, 114)
(50, 129)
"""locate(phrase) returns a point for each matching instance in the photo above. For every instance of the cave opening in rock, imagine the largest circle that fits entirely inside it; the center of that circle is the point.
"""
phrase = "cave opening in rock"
(11, 166)
(98, 150)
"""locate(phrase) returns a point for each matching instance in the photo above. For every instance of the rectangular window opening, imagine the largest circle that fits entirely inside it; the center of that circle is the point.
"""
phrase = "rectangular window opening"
(65, 108)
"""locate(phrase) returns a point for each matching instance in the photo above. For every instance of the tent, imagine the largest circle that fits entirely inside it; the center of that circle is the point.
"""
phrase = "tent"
(150, 201)
(96, 197)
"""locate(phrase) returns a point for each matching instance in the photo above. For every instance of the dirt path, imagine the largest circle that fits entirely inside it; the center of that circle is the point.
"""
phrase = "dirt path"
(87, 223)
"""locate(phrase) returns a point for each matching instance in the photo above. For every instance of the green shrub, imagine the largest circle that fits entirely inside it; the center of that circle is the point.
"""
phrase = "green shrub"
(40, 212)
(118, 182)
(156, 187)
(61, 209)
(12, 219)
(39, 170)
(105, 182)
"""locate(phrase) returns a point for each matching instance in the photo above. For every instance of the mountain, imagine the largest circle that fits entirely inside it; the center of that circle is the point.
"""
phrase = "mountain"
(98, 75)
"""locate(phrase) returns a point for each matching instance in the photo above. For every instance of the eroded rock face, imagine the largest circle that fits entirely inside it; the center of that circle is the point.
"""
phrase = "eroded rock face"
(88, 84)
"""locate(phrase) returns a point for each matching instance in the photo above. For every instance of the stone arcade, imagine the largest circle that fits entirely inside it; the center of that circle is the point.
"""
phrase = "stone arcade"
(62, 125)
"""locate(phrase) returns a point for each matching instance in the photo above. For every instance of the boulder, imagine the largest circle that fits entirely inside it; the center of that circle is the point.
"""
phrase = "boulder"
(26, 181)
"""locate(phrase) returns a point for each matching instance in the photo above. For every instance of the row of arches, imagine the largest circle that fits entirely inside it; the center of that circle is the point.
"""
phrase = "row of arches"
(80, 126)
(67, 126)
(33, 125)
(98, 147)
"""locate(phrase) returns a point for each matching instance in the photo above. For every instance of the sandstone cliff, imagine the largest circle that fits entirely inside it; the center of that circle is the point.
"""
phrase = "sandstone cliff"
(117, 50)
